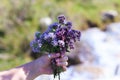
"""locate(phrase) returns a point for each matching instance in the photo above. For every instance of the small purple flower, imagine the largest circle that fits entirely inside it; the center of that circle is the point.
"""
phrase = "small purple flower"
(69, 25)
(46, 36)
(61, 43)
(37, 35)
(51, 35)
(61, 19)
(39, 45)
(54, 43)
(35, 46)
(53, 27)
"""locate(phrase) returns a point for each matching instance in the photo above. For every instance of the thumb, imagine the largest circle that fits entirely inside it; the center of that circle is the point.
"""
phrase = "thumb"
(53, 55)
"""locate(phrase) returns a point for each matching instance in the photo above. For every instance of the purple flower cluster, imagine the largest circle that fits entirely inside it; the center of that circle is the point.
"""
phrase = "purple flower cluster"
(59, 37)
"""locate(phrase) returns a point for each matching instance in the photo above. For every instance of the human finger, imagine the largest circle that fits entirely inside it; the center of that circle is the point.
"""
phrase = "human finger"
(64, 68)
(53, 55)
(63, 59)
(62, 63)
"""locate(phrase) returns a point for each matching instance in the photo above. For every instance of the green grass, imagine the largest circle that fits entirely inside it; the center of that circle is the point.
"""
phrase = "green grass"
(13, 62)
(18, 34)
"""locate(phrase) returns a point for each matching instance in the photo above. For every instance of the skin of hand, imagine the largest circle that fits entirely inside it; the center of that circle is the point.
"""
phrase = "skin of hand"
(35, 68)
(45, 63)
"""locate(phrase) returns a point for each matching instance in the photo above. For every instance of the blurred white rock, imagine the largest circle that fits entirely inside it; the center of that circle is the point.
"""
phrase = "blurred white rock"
(114, 30)
(46, 21)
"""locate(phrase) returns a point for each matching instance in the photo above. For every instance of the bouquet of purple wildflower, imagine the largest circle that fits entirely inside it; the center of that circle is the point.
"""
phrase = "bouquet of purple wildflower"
(58, 38)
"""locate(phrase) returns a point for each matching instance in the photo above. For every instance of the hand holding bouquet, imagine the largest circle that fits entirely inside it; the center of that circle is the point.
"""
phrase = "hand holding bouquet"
(58, 38)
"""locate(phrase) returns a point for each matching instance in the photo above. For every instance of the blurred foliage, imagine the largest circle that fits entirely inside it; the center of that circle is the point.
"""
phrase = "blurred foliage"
(20, 19)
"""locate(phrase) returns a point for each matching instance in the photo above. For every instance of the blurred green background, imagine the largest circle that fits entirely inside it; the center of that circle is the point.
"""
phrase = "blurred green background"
(20, 19)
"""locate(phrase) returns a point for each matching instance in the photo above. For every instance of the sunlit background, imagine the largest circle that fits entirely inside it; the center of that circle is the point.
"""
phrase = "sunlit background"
(20, 19)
